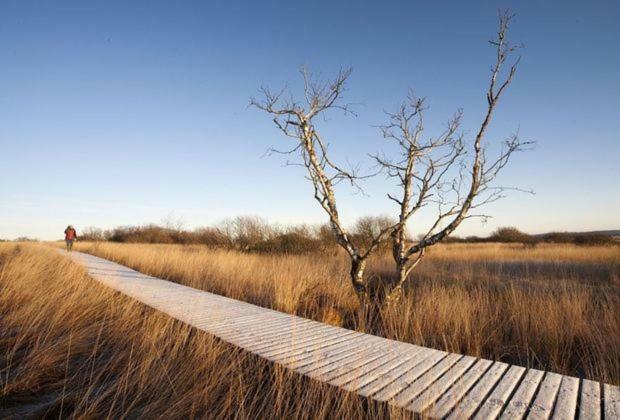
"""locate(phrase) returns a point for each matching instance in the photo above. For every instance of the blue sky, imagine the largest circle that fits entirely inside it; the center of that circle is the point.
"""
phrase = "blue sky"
(116, 113)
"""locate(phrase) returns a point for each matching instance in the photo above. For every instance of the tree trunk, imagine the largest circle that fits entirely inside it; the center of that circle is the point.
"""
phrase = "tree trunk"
(393, 296)
(358, 265)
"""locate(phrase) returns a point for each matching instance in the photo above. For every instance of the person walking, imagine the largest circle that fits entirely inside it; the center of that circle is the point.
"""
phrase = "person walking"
(70, 236)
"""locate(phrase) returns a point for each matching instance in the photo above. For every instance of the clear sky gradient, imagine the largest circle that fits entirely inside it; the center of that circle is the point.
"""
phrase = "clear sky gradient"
(115, 113)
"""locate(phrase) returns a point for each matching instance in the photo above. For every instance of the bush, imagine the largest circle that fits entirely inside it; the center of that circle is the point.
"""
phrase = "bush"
(585, 239)
(456, 240)
(590, 239)
(26, 239)
(511, 234)
(212, 237)
(559, 237)
(288, 243)
(246, 232)
(152, 234)
(92, 234)
(368, 228)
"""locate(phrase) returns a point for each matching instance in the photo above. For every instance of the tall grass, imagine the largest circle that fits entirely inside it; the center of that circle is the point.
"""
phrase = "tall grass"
(70, 347)
(552, 307)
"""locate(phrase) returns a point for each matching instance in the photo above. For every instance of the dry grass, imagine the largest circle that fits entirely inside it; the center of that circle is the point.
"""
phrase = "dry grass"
(552, 307)
(71, 347)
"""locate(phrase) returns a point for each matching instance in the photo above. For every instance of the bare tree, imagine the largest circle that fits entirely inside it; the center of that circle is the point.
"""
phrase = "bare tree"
(429, 171)
(367, 228)
(434, 170)
(296, 119)
(245, 232)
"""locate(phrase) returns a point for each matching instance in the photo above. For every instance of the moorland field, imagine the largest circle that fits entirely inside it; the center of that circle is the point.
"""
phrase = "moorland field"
(69, 346)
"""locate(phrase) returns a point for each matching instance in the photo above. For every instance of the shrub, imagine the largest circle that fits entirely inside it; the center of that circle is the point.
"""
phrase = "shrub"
(511, 234)
(368, 227)
(288, 243)
(92, 234)
(558, 237)
(246, 232)
(212, 237)
(146, 234)
(590, 239)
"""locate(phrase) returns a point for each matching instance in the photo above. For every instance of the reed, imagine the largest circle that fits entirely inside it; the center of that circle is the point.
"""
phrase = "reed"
(551, 307)
(70, 347)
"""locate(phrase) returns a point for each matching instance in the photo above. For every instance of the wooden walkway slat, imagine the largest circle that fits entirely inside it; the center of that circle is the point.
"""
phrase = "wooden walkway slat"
(368, 356)
(477, 395)
(382, 382)
(412, 389)
(324, 352)
(429, 382)
(295, 336)
(306, 343)
(394, 366)
(543, 405)
(520, 402)
(590, 404)
(334, 361)
(566, 404)
(500, 396)
(433, 392)
(611, 401)
(355, 374)
(444, 405)
(315, 349)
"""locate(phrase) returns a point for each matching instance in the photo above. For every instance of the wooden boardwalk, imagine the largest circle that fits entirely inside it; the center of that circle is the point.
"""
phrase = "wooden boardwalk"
(422, 380)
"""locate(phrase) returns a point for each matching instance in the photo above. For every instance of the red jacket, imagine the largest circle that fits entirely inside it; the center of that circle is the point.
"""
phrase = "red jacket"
(70, 234)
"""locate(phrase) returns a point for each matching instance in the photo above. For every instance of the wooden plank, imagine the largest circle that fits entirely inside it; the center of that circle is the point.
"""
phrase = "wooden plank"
(368, 352)
(434, 391)
(611, 402)
(444, 405)
(335, 359)
(305, 329)
(394, 367)
(289, 348)
(403, 381)
(590, 401)
(196, 309)
(295, 338)
(218, 323)
(566, 403)
(291, 351)
(542, 408)
(519, 404)
(365, 357)
(304, 357)
(389, 377)
(249, 327)
(264, 320)
(240, 334)
(476, 396)
(292, 341)
(499, 397)
(210, 317)
(408, 386)
(340, 379)
(265, 333)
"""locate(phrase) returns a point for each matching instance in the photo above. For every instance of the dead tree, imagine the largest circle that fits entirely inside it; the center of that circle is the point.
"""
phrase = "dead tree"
(296, 119)
(435, 170)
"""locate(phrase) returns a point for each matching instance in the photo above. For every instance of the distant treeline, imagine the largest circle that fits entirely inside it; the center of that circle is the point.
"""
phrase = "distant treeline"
(244, 233)
(513, 235)
(253, 234)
